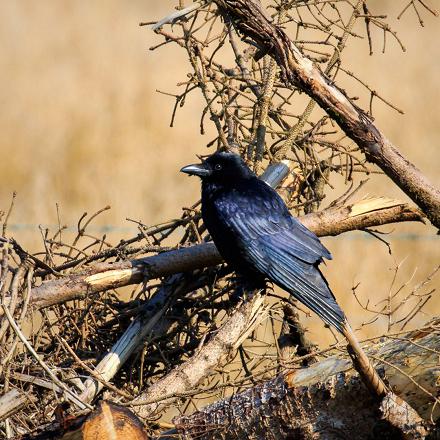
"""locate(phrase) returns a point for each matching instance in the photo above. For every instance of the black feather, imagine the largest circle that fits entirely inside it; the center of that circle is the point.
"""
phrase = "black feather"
(255, 233)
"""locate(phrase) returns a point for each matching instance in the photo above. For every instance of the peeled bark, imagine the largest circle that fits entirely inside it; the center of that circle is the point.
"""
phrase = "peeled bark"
(104, 276)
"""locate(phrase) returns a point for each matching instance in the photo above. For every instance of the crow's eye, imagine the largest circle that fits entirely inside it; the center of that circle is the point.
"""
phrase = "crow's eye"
(217, 167)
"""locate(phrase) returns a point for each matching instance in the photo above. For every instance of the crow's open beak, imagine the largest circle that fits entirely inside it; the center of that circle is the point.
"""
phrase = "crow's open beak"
(198, 169)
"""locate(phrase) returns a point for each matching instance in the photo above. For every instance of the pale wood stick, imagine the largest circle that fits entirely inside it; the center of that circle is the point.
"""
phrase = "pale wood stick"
(12, 402)
(363, 364)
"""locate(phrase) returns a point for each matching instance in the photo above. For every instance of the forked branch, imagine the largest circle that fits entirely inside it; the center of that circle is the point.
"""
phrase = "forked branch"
(300, 71)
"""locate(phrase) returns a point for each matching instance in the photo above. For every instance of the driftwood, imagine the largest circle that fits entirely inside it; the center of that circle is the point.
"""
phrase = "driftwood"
(104, 276)
(328, 400)
(301, 72)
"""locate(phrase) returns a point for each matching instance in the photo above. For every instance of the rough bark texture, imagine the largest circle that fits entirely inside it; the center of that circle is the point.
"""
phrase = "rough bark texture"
(103, 276)
(300, 71)
(403, 417)
(328, 400)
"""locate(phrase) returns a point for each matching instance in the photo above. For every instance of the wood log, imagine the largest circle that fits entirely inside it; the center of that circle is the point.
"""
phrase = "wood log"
(112, 422)
(104, 276)
(328, 400)
(107, 422)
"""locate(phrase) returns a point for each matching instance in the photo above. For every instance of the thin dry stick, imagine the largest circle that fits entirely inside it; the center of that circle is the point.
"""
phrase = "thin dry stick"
(299, 71)
(31, 350)
(296, 129)
(24, 309)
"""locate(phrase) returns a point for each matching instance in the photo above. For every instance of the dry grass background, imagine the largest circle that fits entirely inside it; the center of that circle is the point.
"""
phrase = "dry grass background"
(81, 125)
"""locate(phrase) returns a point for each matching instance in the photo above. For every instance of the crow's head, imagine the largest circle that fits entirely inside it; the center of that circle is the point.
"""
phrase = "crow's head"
(220, 167)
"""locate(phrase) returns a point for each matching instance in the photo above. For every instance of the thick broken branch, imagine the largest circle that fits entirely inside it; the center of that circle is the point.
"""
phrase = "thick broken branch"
(188, 375)
(328, 397)
(149, 321)
(104, 276)
(301, 72)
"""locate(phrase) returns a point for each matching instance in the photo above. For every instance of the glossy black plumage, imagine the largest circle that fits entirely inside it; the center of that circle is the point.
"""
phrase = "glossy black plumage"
(255, 233)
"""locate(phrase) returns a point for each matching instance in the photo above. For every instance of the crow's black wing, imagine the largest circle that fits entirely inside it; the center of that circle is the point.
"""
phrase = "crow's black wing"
(280, 247)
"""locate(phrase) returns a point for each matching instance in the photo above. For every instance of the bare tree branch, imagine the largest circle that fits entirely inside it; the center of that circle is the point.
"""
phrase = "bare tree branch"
(103, 276)
(300, 71)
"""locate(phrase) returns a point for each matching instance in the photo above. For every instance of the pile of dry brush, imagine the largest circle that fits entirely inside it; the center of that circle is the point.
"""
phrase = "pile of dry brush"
(157, 326)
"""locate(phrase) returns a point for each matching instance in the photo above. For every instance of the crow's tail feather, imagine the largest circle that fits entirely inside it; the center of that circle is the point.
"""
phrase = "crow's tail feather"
(306, 283)
(325, 307)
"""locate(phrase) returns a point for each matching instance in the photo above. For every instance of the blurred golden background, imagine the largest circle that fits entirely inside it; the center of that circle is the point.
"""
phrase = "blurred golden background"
(81, 125)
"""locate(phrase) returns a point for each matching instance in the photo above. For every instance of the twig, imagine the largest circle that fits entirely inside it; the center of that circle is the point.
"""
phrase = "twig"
(43, 365)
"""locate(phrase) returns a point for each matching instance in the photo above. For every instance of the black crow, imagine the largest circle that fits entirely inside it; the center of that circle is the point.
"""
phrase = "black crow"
(256, 235)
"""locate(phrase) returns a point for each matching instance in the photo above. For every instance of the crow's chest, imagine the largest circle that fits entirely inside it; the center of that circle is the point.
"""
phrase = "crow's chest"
(217, 213)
